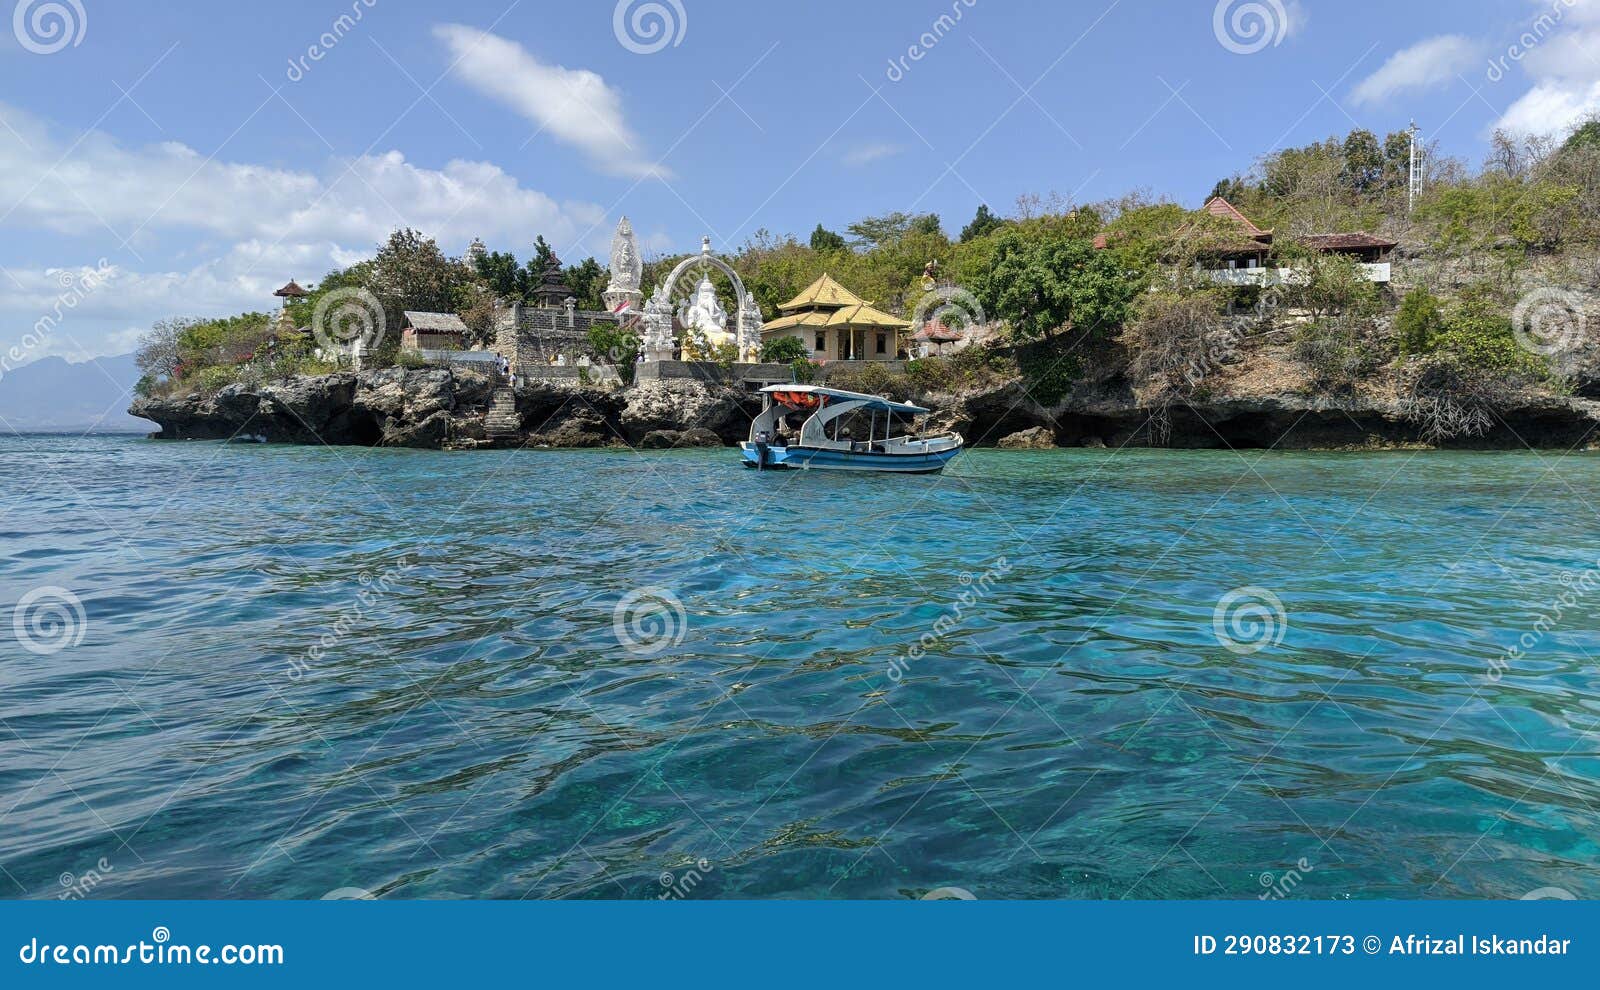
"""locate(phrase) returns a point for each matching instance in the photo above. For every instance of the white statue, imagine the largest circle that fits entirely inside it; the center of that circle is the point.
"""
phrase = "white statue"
(627, 268)
(705, 320)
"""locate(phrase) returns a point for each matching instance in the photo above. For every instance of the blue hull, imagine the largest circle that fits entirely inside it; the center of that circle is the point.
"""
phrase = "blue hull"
(810, 458)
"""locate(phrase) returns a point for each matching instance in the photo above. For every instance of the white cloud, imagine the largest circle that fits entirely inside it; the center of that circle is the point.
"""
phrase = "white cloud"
(1425, 65)
(572, 105)
(99, 186)
(1555, 46)
(245, 228)
(869, 153)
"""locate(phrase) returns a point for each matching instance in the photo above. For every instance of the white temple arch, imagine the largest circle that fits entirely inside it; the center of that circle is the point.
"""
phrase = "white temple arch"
(657, 343)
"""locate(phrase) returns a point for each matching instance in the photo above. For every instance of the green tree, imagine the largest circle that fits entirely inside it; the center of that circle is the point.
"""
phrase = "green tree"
(501, 273)
(784, 350)
(616, 344)
(1041, 284)
(983, 222)
(1363, 162)
(1418, 322)
(410, 272)
(871, 232)
(825, 241)
(158, 354)
(588, 280)
(1586, 135)
(1233, 190)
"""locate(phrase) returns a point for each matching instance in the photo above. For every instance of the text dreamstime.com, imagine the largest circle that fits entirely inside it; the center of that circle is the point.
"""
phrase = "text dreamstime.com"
(158, 952)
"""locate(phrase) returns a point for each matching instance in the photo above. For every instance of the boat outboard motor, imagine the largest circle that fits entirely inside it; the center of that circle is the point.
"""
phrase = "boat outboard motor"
(761, 450)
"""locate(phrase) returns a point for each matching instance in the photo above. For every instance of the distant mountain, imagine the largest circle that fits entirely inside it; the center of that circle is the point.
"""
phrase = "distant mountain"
(53, 394)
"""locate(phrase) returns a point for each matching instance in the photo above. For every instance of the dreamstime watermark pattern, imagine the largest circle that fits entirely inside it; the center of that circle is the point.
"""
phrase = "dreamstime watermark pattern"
(648, 621)
(977, 589)
(677, 886)
(48, 620)
(76, 286)
(928, 40)
(329, 39)
(1549, 894)
(1577, 589)
(949, 894)
(1538, 32)
(352, 617)
(45, 27)
(948, 306)
(80, 885)
(1248, 620)
(348, 320)
(647, 27)
(1282, 884)
(1549, 321)
(1245, 27)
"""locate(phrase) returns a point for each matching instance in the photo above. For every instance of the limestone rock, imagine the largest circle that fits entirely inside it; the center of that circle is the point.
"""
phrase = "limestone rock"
(684, 405)
(1037, 438)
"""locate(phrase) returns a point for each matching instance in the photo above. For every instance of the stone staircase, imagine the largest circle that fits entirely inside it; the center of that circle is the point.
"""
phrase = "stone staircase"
(502, 419)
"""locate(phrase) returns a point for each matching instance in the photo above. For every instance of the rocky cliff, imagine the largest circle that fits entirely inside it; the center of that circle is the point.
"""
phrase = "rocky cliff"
(447, 409)
(439, 408)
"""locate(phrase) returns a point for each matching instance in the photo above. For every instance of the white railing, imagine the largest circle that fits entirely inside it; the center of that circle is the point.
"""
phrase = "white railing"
(1379, 272)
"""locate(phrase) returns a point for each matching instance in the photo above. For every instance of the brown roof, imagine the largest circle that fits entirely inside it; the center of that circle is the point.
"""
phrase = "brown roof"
(435, 322)
(937, 333)
(292, 290)
(1347, 242)
(1219, 207)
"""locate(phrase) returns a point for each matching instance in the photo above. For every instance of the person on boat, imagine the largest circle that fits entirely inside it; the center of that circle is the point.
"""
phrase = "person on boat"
(780, 438)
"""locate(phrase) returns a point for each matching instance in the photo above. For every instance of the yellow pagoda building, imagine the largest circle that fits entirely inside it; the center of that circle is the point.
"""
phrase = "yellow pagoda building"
(837, 325)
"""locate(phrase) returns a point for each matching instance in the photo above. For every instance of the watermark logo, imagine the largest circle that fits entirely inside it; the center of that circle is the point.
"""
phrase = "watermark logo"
(1575, 590)
(78, 886)
(677, 886)
(647, 621)
(47, 28)
(348, 319)
(1538, 33)
(948, 306)
(1248, 620)
(1549, 894)
(949, 894)
(349, 894)
(928, 40)
(329, 39)
(76, 286)
(648, 27)
(1281, 885)
(355, 615)
(976, 589)
(1247, 27)
(1550, 321)
(48, 620)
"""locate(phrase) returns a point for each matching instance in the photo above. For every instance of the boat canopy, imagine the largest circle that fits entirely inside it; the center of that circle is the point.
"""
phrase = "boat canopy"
(877, 402)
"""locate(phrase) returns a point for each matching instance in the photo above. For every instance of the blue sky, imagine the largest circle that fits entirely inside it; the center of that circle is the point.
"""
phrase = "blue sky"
(177, 142)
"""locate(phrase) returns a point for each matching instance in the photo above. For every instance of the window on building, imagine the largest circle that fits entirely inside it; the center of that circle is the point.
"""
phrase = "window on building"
(822, 342)
(883, 343)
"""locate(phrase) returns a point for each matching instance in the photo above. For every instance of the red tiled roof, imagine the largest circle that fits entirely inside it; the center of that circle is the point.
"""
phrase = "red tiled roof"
(1347, 242)
(937, 333)
(291, 290)
(1219, 207)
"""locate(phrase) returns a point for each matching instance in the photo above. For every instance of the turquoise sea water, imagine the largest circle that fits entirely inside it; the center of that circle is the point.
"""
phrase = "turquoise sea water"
(298, 670)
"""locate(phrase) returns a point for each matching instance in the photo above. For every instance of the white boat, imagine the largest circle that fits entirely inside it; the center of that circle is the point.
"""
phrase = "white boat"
(805, 427)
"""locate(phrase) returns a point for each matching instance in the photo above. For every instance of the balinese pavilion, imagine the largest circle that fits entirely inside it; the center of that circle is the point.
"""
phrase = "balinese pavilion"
(837, 325)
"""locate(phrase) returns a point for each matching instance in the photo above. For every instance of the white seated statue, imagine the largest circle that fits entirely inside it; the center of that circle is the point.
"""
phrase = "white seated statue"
(704, 317)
